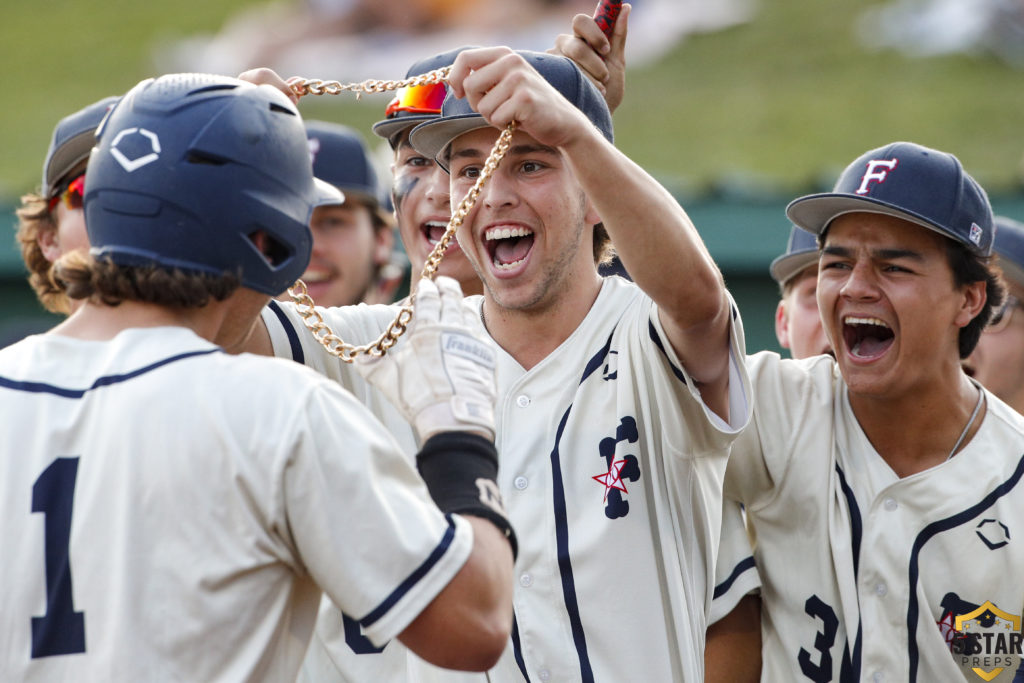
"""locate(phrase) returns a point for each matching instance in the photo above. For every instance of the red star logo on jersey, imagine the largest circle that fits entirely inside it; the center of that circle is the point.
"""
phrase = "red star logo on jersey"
(612, 479)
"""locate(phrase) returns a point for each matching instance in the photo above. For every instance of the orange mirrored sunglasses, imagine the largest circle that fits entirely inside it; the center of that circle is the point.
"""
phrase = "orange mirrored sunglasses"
(72, 195)
(417, 99)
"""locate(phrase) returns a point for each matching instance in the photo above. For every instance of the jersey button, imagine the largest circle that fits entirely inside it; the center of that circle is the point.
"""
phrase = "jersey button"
(891, 504)
(522, 400)
(544, 675)
(525, 580)
(881, 589)
(878, 677)
(521, 483)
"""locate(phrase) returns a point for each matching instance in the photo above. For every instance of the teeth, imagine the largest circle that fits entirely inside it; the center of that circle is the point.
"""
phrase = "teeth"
(505, 233)
(443, 225)
(507, 266)
(850, 320)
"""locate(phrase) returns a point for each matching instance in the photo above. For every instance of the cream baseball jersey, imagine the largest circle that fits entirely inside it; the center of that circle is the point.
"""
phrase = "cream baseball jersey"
(867, 576)
(612, 468)
(172, 513)
(735, 571)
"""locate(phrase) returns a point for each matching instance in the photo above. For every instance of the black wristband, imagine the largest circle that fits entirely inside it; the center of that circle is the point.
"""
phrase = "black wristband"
(461, 471)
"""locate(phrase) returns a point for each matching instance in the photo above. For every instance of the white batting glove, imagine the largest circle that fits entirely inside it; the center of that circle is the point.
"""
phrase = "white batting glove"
(440, 375)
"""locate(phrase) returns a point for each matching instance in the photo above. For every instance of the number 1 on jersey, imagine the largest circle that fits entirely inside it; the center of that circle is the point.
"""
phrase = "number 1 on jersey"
(61, 630)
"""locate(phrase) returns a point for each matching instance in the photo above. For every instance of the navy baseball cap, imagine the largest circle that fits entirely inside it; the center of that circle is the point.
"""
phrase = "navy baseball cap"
(415, 104)
(908, 181)
(1009, 244)
(71, 142)
(341, 158)
(457, 117)
(801, 251)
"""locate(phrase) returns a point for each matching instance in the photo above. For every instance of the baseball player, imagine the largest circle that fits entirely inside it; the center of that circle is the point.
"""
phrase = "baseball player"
(419, 188)
(353, 241)
(51, 223)
(797, 321)
(884, 485)
(617, 404)
(998, 359)
(422, 209)
(191, 541)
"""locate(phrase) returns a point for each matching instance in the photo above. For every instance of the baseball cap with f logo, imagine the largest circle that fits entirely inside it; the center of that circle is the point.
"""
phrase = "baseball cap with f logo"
(908, 181)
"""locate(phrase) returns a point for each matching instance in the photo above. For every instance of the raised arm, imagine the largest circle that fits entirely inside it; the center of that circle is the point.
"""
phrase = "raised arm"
(653, 235)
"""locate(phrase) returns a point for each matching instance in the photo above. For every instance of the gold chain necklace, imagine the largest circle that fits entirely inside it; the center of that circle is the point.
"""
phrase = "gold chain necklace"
(305, 305)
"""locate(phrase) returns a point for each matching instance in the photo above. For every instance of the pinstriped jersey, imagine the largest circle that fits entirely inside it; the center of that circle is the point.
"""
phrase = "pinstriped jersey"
(611, 469)
(171, 513)
(868, 576)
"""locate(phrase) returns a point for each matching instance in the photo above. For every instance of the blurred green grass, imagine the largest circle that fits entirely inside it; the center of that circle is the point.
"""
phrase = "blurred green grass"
(779, 103)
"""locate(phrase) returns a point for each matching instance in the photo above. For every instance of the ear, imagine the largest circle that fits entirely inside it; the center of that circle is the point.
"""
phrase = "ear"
(383, 244)
(782, 324)
(49, 244)
(973, 300)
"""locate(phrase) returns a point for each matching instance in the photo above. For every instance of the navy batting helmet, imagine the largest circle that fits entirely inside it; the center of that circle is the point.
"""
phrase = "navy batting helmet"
(189, 167)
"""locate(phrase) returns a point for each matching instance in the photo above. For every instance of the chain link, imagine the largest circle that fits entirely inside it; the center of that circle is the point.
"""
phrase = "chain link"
(305, 305)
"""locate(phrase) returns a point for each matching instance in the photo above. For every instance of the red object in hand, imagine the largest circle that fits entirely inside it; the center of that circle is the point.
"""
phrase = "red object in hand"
(606, 14)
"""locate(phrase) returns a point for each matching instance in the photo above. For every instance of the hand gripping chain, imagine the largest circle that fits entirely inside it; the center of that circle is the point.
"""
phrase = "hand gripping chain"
(305, 306)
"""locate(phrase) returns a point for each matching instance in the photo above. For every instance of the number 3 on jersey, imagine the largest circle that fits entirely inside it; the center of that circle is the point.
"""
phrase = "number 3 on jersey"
(823, 641)
(61, 630)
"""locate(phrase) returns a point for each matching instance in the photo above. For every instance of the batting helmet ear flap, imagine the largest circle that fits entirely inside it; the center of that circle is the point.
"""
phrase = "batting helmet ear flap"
(189, 167)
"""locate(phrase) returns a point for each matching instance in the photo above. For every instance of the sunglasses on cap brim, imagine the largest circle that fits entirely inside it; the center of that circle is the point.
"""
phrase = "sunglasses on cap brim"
(417, 99)
(72, 194)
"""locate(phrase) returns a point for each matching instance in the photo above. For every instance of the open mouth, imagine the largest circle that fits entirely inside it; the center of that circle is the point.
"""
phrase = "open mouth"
(316, 276)
(433, 231)
(867, 337)
(508, 247)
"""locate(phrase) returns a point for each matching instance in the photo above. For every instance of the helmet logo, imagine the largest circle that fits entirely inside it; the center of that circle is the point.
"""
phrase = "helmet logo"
(152, 142)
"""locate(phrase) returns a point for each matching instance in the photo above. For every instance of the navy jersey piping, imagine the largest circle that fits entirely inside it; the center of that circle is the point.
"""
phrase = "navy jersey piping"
(850, 667)
(929, 532)
(107, 380)
(442, 547)
(741, 567)
(293, 339)
(562, 537)
(517, 649)
(661, 346)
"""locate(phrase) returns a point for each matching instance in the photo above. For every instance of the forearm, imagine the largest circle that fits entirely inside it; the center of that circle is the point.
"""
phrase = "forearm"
(653, 235)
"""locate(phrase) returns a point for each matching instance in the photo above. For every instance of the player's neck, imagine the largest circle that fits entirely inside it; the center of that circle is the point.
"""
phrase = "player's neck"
(530, 335)
(916, 432)
(98, 322)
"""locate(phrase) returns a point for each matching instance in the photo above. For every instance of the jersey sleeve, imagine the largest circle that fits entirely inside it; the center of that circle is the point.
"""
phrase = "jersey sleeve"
(706, 431)
(357, 325)
(785, 393)
(736, 573)
(361, 520)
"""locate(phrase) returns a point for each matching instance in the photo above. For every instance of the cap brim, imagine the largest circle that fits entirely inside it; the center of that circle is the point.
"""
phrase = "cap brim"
(389, 128)
(815, 212)
(69, 156)
(327, 194)
(433, 137)
(787, 266)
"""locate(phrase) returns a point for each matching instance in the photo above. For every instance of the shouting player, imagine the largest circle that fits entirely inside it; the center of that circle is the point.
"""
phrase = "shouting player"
(173, 512)
(998, 360)
(612, 448)
(51, 223)
(883, 485)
